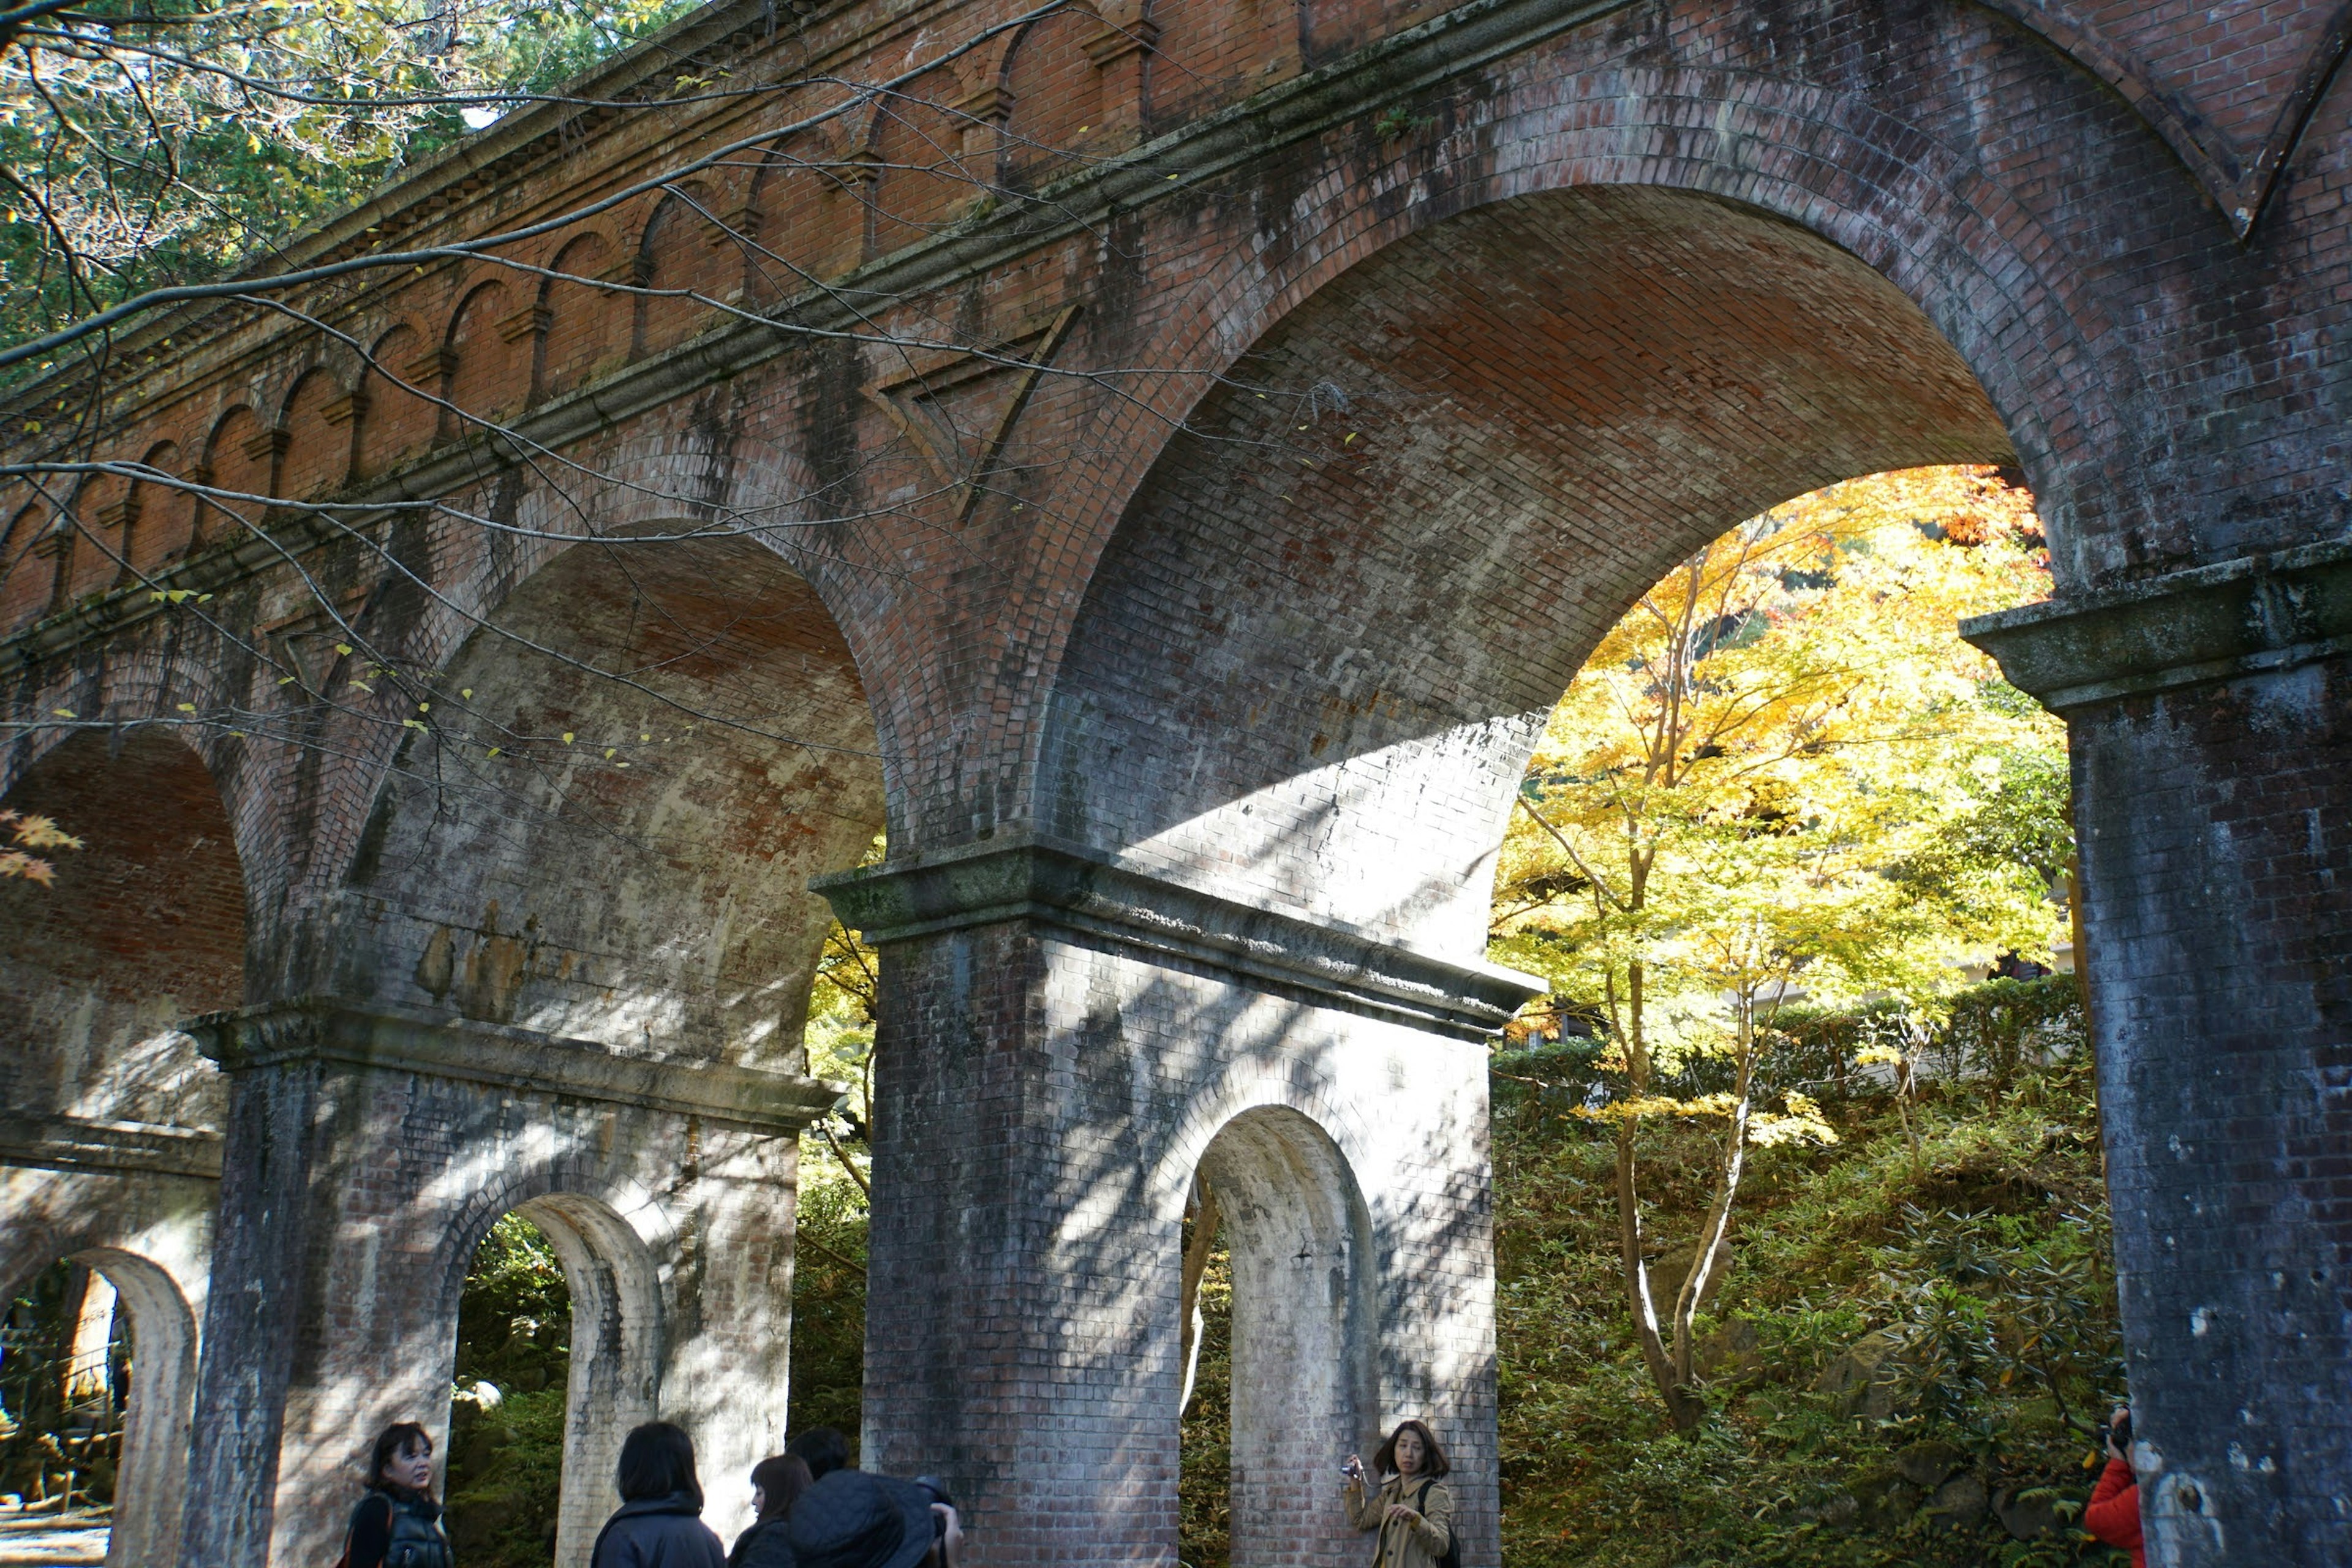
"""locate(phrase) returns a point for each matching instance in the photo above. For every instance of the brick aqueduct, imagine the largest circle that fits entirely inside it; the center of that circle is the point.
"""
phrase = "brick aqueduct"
(1177, 549)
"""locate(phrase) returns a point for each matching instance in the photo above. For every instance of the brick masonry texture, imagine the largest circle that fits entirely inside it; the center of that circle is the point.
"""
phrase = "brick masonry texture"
(1391, 351)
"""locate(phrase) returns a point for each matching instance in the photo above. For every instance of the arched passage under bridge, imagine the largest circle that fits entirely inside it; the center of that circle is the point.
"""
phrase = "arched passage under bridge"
(568, 973)
(1270, 799)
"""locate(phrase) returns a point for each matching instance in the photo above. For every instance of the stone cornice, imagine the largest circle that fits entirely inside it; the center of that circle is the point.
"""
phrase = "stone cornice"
(1371, 80)
(1085, 892)
(2254, 616)
(406, 1040)
(115, 1148)
(1417, 60)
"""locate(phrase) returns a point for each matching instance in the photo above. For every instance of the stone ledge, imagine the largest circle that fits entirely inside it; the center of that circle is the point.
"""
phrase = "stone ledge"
(2255, 615)
(117, 1148)
(407, 1039)
(1087, 892)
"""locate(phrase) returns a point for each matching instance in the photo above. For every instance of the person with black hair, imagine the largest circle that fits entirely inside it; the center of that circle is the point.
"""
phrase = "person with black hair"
(1412, 1508)
(852, 1519)
(659, 1522)
(398, 1524)
(823, 1449)
(776, 1484)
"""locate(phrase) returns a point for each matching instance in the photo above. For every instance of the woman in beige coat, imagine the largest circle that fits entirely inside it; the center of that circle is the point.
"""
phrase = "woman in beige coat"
(1412, 1508)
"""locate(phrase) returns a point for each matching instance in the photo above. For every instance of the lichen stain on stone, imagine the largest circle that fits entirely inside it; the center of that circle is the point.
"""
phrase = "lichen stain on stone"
(435, 969)
(495, 971)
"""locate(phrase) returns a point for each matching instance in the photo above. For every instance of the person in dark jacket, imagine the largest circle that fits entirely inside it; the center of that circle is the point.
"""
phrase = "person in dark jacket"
(2112, 1516)
(852, 1520)
(822, 1448)
(659, 1522)
(398, 1524)
(776, 1484)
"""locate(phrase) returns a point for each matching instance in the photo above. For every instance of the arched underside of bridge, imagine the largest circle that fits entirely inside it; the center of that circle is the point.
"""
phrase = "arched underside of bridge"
(1197, 788)
(1317, 650)
(567, 972)
(1303, 685)
(1291, 716)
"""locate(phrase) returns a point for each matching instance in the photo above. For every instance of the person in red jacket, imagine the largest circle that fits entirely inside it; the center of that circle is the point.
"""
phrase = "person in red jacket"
(2112, 1516)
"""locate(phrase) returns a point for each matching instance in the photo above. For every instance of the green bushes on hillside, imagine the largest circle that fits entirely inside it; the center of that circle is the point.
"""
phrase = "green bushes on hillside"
(1906, 1357)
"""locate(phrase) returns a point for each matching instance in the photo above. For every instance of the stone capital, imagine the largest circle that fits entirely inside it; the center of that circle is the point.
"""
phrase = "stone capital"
(2255, 615)
(398, 1039)
(1086, 893)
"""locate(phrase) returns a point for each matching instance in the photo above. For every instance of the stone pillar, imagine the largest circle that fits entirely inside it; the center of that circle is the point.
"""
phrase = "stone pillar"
(368, 1152)
(2210, 714)
(1063, 1041)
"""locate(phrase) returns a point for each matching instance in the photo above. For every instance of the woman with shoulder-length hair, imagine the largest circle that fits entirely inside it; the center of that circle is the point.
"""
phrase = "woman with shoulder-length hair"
(398, 1524)
(777, 1483)
(1411, 1507)
(659, 1522)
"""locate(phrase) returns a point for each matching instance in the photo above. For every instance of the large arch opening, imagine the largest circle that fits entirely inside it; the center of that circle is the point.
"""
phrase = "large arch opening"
(596, 843)
(1412, 508)
(1401, 525)
(1288, 1240)
(141, 927)
(606, 827)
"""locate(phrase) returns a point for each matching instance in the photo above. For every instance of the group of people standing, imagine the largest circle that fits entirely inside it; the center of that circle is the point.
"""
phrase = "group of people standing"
(812, 1509)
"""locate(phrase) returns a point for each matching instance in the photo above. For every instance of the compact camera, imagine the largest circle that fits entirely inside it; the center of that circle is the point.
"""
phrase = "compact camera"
(2119, 1433)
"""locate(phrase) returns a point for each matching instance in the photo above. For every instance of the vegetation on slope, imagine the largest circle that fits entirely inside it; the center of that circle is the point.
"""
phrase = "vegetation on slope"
(1903, 1365)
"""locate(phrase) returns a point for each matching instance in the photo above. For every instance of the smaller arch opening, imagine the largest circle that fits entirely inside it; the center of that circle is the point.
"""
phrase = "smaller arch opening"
(96, 1382)
(558, 1346)
(1286, 1374)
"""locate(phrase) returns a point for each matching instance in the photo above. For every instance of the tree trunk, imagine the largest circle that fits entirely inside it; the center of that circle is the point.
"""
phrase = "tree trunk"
(1639, 1302)
(1709, 1247)
(1205, 1220)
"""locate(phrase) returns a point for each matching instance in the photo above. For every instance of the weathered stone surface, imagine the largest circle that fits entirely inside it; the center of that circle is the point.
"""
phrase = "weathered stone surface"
(1369, 437)
(1958, 1504)
(1862, 1376)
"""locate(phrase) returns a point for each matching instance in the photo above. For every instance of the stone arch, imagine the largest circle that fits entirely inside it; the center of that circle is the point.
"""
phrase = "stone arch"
(1516, 420)
(924, 177)
(396, 415)
(30, 579)
(794, 214)
(98, 508)
(488, 376)
(611, 1252)
(153, 1474)
(160, 1288)
(144, 927)
(1208, 53)
(1305, 1327)
(689, 244)
(615, 683)
(583, 336)
(241, 460)
(163, 513)
(1055, 88)
(316, 419)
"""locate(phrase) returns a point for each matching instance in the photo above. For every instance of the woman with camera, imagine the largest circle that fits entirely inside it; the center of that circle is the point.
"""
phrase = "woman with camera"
(1411, 1507)
(2112, 1516)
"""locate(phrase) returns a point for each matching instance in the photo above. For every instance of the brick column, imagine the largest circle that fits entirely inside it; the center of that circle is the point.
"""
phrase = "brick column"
(1063, 1041)
(2211, 714)
(368, 1152)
